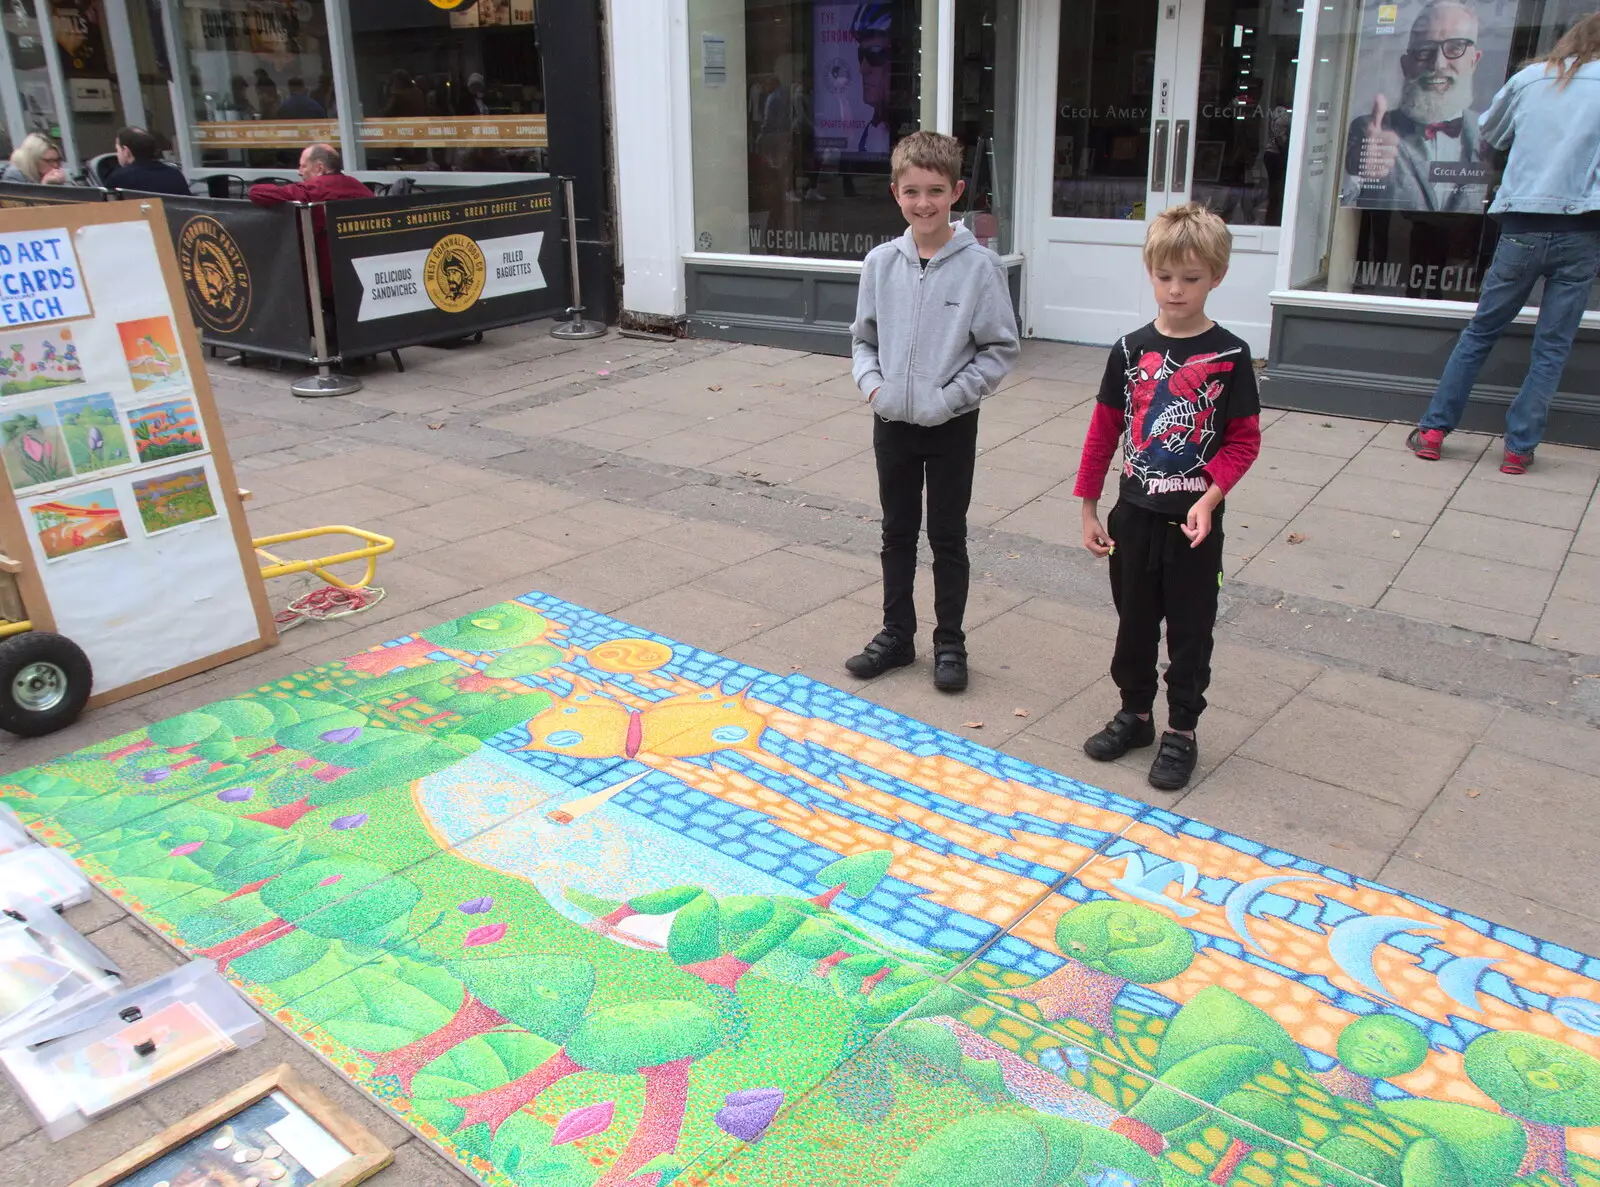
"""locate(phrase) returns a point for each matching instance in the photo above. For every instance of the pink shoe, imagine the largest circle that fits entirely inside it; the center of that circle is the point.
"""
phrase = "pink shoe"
(1516, 463)
(1426, 443)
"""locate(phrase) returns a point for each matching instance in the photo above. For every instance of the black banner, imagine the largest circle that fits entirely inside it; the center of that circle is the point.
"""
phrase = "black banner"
(427, 267)
(17, 193)
(243, 272)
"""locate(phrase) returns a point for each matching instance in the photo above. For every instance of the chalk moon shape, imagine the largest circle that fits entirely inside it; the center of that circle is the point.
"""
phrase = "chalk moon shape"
(1354, 943)
(1236, 907)
(1459, 978)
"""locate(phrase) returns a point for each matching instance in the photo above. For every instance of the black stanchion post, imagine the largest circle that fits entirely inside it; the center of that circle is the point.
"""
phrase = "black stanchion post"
(577, 327)
(324, 382)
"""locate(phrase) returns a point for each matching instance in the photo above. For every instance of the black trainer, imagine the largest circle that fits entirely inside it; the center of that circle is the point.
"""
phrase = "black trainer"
(950, 670)
(1174, 763)
(878, 656)
(1124, 732)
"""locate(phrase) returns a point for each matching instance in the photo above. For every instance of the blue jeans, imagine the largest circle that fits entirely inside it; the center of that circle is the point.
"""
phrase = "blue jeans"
(1568, 261)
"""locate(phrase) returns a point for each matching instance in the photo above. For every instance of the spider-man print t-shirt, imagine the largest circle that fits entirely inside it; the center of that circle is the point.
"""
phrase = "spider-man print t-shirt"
(1176, 397)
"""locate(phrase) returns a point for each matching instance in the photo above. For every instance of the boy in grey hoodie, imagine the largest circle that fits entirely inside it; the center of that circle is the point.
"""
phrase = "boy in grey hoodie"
(934, 333)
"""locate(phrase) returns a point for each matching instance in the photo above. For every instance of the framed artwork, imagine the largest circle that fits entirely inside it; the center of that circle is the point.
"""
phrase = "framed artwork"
(1208, 160)
(276, 1131)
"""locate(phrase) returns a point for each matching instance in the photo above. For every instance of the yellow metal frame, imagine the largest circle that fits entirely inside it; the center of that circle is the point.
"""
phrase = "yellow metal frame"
(375, 547)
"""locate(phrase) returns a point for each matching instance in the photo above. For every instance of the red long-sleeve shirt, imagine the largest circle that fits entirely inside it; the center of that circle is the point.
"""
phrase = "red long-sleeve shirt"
(325, 187)
(1186, 413)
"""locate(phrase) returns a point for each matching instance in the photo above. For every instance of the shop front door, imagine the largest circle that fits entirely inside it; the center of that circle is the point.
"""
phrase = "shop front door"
(1155, 103)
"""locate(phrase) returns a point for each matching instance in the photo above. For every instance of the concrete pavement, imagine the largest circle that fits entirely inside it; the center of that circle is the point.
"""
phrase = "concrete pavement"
(1409, 692)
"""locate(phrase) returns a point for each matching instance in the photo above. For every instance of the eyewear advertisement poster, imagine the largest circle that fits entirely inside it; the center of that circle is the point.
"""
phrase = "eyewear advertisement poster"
(429, 268)
(851, 91)
(1425, 70)
(106, 441)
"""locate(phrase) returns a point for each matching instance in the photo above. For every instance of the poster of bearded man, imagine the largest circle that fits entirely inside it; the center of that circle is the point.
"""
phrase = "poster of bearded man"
(1424, 70)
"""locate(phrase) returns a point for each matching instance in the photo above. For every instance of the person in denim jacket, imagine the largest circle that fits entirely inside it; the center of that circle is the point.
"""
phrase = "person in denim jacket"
(1548, 208)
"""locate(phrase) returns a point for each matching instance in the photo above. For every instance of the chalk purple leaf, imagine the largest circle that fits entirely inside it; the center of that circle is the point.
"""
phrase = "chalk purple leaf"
(747, 1114)
(185, 850)
(339, 736)
(236, 795)
(157, 775)
(475, 906)
(489, 933)
(355, 820)
(583, 1123)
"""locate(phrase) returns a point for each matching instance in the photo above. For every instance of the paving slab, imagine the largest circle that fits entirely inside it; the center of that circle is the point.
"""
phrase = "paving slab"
(1510, 833)
(1478, 580)
(1504, 624)
(1320, 573)
(1388, 760)
(1525, 504)
(1297, 814)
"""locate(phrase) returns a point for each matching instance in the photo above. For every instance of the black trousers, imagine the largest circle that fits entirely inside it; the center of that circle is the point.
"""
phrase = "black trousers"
(1155, 575)
(942, 457)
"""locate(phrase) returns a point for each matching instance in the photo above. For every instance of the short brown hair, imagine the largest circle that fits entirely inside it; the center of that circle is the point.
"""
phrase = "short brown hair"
(927, 150)
(1188, 232)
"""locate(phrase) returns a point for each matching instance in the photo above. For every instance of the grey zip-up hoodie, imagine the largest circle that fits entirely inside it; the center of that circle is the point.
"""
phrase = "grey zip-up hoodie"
(932, 342)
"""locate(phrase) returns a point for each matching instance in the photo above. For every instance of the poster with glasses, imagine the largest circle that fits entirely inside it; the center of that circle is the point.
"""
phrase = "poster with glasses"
(851, 91)
(1425, 70)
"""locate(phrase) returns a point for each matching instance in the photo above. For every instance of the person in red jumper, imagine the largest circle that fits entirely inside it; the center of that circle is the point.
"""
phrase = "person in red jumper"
(1180, 397)
(322, 179)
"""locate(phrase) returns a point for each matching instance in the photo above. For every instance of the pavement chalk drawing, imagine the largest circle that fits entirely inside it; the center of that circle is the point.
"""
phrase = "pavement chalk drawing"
(588, 907)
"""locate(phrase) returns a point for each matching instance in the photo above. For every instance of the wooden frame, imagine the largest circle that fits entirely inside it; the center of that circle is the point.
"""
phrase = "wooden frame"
(368, 1154)
(13, 531)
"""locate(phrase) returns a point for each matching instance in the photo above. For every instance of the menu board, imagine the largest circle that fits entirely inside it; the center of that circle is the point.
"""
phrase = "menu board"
(124, 509)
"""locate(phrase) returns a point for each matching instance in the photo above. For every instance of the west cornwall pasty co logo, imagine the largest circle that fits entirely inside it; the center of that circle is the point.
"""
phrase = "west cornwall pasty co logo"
(214, 274)
(454, 273)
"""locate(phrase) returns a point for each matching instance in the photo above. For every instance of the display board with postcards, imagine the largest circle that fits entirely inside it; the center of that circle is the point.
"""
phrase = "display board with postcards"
(112, 449)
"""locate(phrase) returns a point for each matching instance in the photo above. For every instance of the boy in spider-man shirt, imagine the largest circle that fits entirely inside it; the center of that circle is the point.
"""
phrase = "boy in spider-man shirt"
(1180, 396)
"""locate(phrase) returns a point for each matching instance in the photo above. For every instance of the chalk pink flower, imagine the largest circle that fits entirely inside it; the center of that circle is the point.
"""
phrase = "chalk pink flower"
(584, 1123)
(489, 933)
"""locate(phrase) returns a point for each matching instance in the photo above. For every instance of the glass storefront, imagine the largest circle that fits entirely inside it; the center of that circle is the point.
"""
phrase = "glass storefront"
(458, 90)
(796, 104)
(984, 78)
(260, 80)
(37, 100)
(1396, 208)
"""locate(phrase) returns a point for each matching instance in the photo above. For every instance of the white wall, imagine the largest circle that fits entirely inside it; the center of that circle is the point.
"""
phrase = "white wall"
(649, 61)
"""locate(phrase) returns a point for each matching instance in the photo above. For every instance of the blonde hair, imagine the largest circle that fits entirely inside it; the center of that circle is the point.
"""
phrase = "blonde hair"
(927, 150)
(1189, 232)
(29, 155)
(1579, 46)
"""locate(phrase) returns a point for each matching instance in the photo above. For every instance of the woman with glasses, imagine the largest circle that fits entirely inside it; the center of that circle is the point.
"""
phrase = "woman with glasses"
(1548, 208)
(36, 161)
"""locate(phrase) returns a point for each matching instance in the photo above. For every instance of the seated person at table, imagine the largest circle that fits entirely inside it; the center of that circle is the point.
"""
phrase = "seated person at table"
(322, 179)
(140, 167)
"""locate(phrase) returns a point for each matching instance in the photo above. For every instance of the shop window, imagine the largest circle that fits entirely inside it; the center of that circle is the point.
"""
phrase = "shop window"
(1248, 62)
(39, 112)
(984, 75)
(459, 90)
(795, 106)
(1404, 215)
(260, 80)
